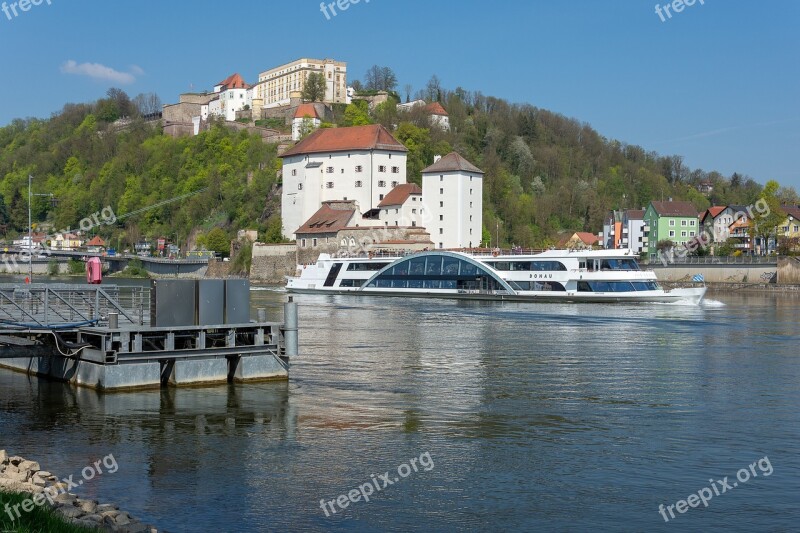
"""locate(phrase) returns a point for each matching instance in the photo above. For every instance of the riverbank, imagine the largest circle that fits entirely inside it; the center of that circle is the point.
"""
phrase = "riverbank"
(36, 500)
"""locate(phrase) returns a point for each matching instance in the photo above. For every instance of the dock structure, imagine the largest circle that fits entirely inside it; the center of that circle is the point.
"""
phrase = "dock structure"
(174, 333)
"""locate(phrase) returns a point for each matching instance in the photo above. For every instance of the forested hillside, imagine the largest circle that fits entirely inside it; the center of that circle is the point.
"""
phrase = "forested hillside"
(545, 174)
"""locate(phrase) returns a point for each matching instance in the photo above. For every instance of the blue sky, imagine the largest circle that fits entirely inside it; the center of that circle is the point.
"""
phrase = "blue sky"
(718, 82)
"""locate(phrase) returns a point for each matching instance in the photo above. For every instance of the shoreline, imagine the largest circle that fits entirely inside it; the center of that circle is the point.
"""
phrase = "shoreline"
(45, 491)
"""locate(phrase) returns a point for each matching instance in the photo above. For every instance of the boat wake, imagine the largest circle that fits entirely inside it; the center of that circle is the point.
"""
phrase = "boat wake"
(270, 289)
(712, 303)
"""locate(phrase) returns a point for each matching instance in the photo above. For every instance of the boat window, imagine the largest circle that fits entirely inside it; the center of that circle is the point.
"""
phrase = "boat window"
(351, 282)
(450, 266)
(621, 286)
(583, 286)
(619, 264)
(363, 267)
(416, 266)
(431, 284)
(434, 267)
(537, 286)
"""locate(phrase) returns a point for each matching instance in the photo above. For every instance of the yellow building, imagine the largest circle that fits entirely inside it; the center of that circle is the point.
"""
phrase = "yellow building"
(275, 86)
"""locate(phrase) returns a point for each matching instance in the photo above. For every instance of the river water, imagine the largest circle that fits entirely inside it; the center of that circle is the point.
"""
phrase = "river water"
(517, 417)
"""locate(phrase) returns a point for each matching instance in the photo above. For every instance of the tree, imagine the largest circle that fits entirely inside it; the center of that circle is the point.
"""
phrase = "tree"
(315, 87)
(433, 89)
(147, 104)
(407, 88)
(216, 240)
(306, 126)
(357, 86)
(766, 216)
(357, 114)
(380, 79)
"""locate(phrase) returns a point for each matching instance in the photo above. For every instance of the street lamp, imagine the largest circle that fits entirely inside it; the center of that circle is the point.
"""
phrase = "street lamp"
(30, 227)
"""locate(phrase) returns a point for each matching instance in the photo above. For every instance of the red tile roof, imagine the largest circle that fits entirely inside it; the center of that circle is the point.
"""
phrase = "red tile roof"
(400, 194)
(586, 237)
(306, 110)
(435, 108)
(792, 210)
(714, 211)
(635, 214)
(372, 137)
(675, 209)
(96, 241)
(452, 162)
(234, 81)
(326, 220)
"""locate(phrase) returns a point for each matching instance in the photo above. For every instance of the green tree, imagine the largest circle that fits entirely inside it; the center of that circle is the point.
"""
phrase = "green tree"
(306, 127)
(314, 88)
(767, 214)
(217, 240)
(357, 114)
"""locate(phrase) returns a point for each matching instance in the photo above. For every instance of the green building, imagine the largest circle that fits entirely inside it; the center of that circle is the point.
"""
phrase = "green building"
(673, 221)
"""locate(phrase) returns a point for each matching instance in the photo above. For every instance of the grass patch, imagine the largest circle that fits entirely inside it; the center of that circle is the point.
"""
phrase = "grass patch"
(39, 520)
(135, 269)
(76, 266)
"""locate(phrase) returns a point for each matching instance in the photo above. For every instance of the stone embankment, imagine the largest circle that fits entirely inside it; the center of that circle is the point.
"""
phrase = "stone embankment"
(26, 477)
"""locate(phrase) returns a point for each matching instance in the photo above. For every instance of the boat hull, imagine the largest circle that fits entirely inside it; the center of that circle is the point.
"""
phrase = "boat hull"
(690, 296)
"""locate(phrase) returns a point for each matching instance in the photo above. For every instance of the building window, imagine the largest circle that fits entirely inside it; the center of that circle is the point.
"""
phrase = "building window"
(691, 222)
(441, 245)
(413, 223)
(397, 210)
(382, 168)
(671, 222)
(683, 222)
(329, 185)
(470, 204)
(671, 233)
(470, 231)
(441, 217)
(441, 204)
(691, 234)
(381, 183)
(303, 243)
(470, 191)
(683, 234)
(359, 184)
(413, 211)
(441, 191)
(359, 168)
(294, 172)
(395, 170)
(314, 243)
(394, 184)
(441, 231)
(329, 170)
(441, 178)
(299, 186)
(380, 197)
(470, 218)
(342, 171)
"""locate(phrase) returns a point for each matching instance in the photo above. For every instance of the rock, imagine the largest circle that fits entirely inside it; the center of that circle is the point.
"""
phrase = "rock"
(31, 466)
(3, 457)
(11, 469)
(88, 506)
(66, 497)
(105, 507)
(37, 480)
(134, 527)
(15, 460)
(14, 485)
(122, 519)
(94, 518)
(69, 512)
(44, 474)
(14, 474)
(83, 522)
(111, 515)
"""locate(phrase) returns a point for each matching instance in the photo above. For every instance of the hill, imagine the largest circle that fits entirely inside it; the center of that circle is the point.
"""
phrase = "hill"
(546, 174)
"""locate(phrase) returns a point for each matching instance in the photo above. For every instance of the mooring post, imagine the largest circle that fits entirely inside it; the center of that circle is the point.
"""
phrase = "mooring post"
(290, 327)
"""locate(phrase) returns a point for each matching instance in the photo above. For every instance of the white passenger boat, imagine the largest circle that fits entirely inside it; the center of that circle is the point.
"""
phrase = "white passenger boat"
(553, 275)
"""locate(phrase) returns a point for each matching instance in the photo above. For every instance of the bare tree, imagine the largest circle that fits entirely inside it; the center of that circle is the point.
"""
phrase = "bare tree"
(407, 88)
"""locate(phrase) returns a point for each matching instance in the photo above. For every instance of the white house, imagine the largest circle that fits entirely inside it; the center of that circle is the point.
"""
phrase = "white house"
(625, 230)
(233, 96)
(275, 86)
(306, 113)
(452, 189)
(402, 206)
(360, 163)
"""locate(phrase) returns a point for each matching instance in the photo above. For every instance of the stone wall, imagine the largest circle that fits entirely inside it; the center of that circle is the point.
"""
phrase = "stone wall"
(788, 271)
(716, 273)
(272, 262)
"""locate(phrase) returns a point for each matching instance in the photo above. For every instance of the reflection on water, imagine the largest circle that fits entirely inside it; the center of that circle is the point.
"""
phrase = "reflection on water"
(537, 416)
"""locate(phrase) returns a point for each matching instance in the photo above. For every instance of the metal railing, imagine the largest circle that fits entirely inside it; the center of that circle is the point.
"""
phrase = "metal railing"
(50, 306)
(714, 260)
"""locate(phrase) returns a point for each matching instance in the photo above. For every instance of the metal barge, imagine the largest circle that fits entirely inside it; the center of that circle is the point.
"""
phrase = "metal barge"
(174, 333)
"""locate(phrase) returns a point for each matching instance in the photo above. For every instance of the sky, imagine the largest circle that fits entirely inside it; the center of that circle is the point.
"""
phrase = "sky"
(717, 82)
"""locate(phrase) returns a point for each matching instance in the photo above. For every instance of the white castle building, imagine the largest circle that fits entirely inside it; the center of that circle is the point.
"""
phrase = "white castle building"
(365, 166)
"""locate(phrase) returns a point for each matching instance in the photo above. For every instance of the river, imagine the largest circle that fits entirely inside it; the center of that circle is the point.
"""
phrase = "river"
(486, 416)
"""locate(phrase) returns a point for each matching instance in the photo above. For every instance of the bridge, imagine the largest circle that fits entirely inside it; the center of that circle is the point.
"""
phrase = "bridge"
(15, 261)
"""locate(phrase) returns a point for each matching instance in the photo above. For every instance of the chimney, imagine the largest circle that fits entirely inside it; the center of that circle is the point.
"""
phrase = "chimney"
(436, 158)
